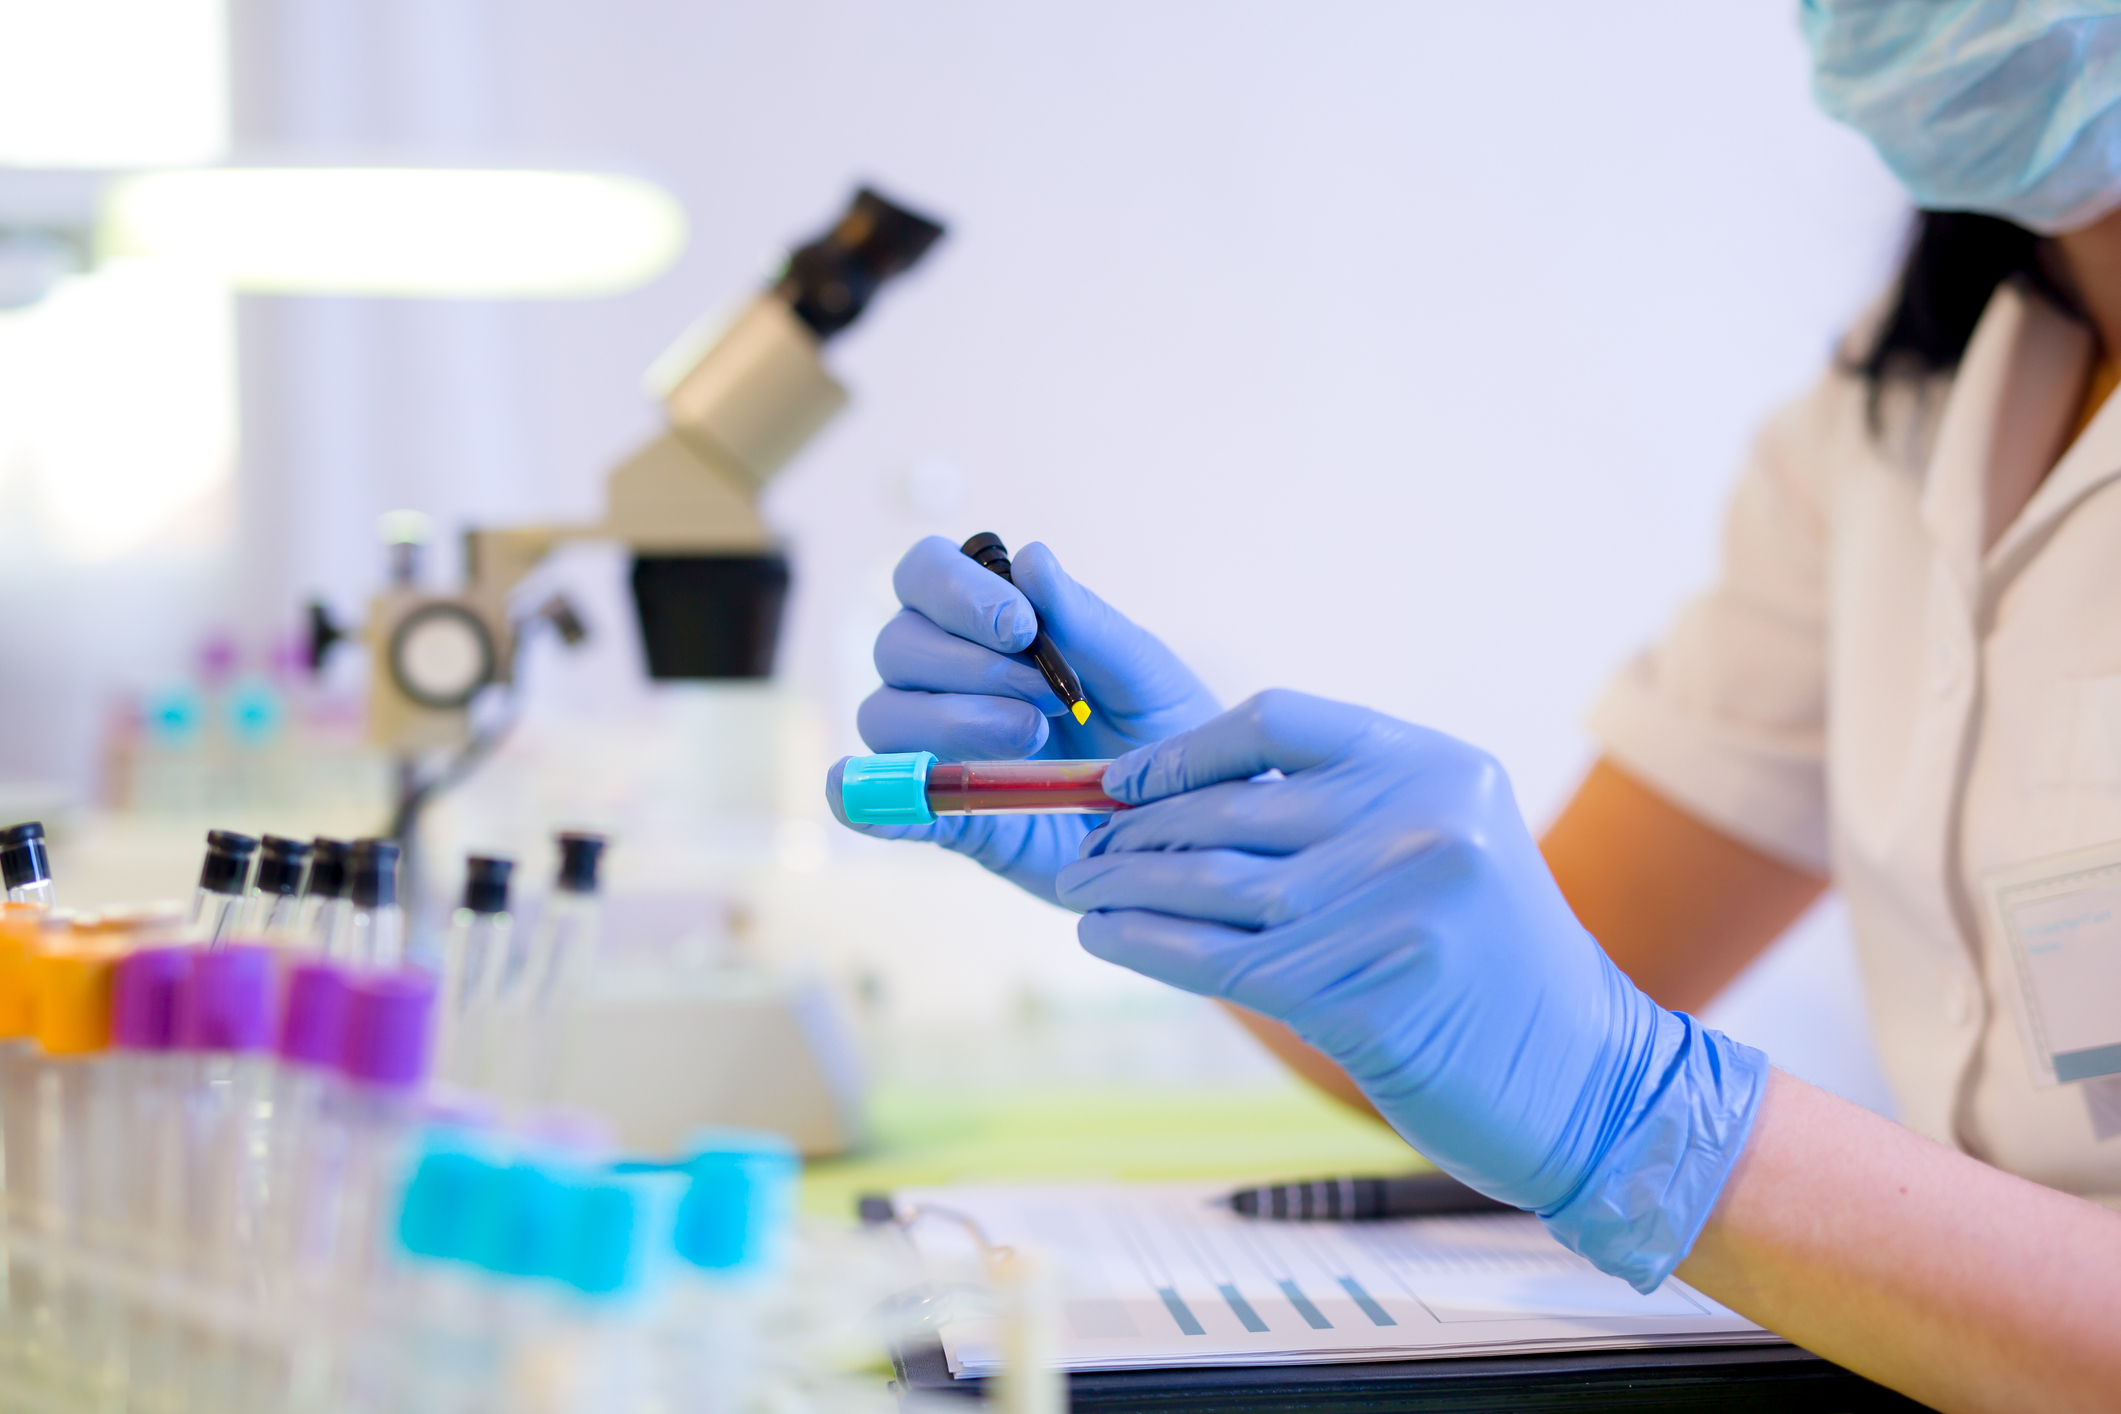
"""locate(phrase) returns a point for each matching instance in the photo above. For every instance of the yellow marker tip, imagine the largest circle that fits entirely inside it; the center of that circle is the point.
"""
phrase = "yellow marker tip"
(1081, 711)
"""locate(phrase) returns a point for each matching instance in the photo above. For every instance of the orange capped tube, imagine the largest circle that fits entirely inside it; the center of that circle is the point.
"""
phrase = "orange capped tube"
(21, 929)
(71, 991)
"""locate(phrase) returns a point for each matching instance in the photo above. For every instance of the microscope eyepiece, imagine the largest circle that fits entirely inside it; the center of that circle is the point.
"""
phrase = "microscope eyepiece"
(829, 282)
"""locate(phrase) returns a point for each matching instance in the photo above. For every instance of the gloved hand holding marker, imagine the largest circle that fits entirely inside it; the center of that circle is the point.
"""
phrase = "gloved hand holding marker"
(956, 686)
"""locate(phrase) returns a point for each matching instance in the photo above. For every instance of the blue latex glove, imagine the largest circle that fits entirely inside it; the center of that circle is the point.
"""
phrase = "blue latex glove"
(957, 683)
(1383, 897)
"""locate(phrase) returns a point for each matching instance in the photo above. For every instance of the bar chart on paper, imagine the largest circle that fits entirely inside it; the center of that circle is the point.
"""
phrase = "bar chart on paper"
(1161, 1276)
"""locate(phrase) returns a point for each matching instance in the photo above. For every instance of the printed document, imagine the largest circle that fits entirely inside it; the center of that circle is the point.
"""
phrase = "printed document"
(1151, 1276)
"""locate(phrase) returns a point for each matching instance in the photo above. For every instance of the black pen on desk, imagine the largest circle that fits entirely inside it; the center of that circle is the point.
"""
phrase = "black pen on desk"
(987, 549)
(1414, 1195)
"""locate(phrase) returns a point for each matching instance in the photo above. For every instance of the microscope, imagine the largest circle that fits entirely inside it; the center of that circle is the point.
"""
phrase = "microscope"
(741, 398)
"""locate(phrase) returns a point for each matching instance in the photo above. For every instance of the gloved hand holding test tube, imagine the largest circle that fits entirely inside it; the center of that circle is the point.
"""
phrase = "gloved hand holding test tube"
(1367, 882)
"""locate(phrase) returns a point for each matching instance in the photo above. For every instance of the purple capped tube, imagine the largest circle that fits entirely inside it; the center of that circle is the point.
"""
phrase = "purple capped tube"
(225, 1018)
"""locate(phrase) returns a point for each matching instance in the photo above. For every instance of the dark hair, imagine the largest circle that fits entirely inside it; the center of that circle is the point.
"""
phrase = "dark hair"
(1955, 260)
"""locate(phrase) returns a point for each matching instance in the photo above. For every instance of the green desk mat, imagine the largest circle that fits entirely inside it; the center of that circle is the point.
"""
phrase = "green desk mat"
(925, 1136)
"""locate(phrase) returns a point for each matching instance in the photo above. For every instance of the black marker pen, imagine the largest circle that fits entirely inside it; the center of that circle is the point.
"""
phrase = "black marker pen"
(987, 549)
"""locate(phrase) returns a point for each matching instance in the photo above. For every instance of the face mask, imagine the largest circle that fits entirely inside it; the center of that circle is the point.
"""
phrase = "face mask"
(2009, 108)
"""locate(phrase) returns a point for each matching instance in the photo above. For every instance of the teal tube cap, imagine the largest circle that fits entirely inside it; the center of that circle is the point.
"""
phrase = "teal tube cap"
(887, 790)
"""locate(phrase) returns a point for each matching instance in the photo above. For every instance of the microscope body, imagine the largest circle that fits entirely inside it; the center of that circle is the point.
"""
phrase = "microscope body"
(740, 400)
(708, 580)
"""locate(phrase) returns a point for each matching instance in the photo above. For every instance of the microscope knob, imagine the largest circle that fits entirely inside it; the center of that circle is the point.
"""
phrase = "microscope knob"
(323, 634)
(441, 654)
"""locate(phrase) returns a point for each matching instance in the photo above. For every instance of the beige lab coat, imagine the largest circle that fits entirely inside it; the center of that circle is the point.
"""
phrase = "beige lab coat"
(1908, 674)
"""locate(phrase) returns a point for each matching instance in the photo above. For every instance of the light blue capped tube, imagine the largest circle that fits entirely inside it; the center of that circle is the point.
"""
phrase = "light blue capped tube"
(913, 788)
(622, 1227)
(726, 1209)
(739, 1212)
(887, 790)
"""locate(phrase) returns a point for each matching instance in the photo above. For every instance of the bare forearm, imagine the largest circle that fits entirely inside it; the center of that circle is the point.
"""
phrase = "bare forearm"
(1678, 905)
(1918, 1267)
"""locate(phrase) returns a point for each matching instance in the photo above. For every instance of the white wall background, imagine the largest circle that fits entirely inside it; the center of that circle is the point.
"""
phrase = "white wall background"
(1402, 352)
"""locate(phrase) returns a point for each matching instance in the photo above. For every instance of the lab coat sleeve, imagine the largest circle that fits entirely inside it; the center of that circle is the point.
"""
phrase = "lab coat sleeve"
(1726, 716)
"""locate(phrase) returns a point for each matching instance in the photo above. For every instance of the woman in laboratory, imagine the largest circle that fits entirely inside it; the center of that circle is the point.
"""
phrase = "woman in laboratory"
(1905, 683)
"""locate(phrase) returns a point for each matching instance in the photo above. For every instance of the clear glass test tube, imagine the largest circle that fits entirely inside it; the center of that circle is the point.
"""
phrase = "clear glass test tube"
(478, 944)
(228, 1017)
(384, 1064)
(152, 1232)
(566, 941)
(144, 1030)
(479, 931)
(325, 907)
(227, 1027)
(217, 904)
(562, 954)
(78, 1160)
(275, 903)
(24, 930)
(375, 930)
(312, 1041)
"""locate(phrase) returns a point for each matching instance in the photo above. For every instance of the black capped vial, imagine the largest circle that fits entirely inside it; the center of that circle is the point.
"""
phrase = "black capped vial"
(276, 888)
(479, 934)
(25, 865)
(328, 863)
(217, 905)
(326, 908)
(579, 856)
(561, 955)
(376, 930)
(486, 883)
(565, 935)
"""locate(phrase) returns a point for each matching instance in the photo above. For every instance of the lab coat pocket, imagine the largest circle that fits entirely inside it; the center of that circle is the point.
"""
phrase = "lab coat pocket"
(2082, 745)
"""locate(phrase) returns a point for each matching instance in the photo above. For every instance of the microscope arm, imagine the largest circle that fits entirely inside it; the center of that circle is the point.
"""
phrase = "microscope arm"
(746, 402)
(741, 397)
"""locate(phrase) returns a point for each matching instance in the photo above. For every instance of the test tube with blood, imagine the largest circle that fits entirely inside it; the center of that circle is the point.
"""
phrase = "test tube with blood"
(912, 788)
